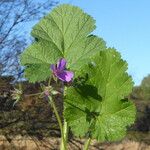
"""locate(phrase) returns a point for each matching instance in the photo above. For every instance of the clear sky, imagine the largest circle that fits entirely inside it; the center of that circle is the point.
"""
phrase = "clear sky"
(125, 25)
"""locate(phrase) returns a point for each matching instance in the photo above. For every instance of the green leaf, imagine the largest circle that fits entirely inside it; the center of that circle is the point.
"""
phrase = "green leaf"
(65, 32)
(105, 111)
(44, 70)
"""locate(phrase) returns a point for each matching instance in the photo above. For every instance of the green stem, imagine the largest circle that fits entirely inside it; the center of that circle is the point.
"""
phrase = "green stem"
(59, 122)
(65, 122)
(49, 81)
(65, 128)
(87, 144)
(33, 94)
(65, 131)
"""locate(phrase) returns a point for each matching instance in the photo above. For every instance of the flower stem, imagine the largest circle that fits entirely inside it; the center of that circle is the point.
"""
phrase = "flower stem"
(87, 144)
(49, 81)
(65, 128)
(59, 122)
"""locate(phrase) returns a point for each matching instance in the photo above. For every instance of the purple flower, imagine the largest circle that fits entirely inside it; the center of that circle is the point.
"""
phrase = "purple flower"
(59, 70)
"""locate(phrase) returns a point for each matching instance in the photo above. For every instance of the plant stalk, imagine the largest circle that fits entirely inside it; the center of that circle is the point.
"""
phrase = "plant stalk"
(65, 132)
(65, 128)
(87, 144)
(59, 122)
(33, 94)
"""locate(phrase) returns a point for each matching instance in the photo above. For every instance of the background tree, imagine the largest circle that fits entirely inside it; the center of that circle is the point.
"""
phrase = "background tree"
(15, 15)
(142, 92)
(145, 85)
(137, 93)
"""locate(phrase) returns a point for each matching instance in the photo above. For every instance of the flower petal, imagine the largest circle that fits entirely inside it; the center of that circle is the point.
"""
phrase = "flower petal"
(53, 67)
(61, 64)
(65, 76)
(69, 76)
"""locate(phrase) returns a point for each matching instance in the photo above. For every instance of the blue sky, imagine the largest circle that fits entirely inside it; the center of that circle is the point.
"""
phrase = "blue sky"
(125, 25)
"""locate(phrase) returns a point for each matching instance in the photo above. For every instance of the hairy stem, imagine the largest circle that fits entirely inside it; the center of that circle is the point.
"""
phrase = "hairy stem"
(87, 144)
(65, 127)
(65, 131)
(59, 122)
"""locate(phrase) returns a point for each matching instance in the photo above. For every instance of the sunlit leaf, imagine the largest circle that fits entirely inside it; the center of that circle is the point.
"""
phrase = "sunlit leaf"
(65, 32)
(99, 108)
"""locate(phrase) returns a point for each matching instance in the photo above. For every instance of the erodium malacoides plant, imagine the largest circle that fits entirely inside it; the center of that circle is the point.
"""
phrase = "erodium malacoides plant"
(64, 50)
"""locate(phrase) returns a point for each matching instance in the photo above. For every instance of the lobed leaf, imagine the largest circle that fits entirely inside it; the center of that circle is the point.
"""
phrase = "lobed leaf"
(105, 111)
(65, 32)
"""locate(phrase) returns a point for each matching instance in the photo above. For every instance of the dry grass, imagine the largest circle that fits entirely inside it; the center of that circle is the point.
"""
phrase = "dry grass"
(31, 143)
